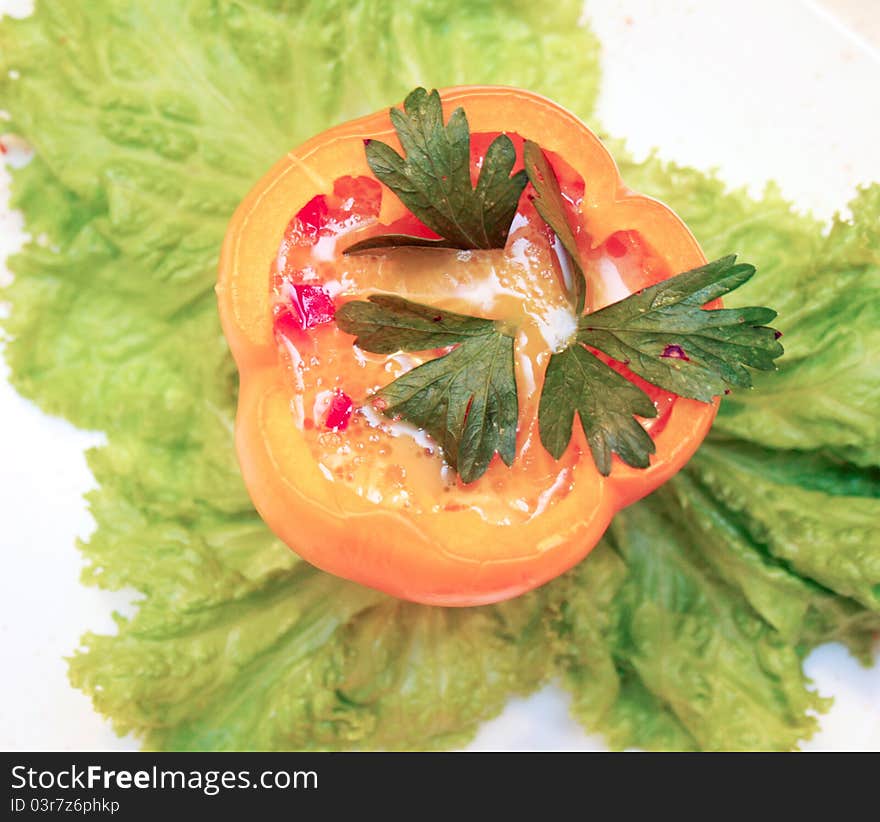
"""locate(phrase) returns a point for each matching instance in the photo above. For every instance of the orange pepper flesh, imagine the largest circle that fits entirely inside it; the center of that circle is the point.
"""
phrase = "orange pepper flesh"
(449, 553)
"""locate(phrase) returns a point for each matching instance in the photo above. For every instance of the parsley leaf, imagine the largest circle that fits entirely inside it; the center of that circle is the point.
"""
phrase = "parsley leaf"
(549, 203)
(386, 323)
(664, 335)
(391, 241)
(605, 402)
(466, 399)
(433, 180)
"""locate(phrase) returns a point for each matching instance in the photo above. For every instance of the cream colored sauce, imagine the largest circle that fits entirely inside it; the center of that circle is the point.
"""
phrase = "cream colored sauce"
(392, 462)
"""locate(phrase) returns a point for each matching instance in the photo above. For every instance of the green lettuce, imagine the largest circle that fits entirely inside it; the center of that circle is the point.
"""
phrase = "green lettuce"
(827, 292)
(686, 627)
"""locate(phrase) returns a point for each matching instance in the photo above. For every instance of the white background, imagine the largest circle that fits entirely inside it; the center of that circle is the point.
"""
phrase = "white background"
(780, 89)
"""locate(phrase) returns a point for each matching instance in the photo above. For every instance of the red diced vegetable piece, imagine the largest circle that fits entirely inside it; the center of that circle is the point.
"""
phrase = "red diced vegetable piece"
(616, 245)
(339, 412)
(358, 195)
(286, 322)
(309, 306)
(312, 305)
(312, 217)
(675, 352)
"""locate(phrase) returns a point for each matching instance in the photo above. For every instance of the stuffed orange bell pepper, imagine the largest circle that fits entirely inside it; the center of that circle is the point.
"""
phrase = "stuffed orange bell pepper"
(464, 345)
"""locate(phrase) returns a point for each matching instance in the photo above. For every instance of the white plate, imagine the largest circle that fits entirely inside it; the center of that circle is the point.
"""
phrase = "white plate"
(758, 90)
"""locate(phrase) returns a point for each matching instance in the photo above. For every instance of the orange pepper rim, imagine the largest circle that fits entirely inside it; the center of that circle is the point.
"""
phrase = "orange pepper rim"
(440, 558)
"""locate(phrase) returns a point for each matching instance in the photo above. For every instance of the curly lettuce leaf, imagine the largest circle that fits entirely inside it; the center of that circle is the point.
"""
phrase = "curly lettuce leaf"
(795, 525)
(678, 633)
(150, 123)
(826, 290)
(237, 643)
(730, 680)
(803, 612)
(307, 660)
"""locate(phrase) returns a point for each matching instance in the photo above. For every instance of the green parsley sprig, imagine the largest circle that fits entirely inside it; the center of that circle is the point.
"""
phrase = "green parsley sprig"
(550, 205)
(433, 179)
(664, 335)
(576, 381)
(466, 399)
